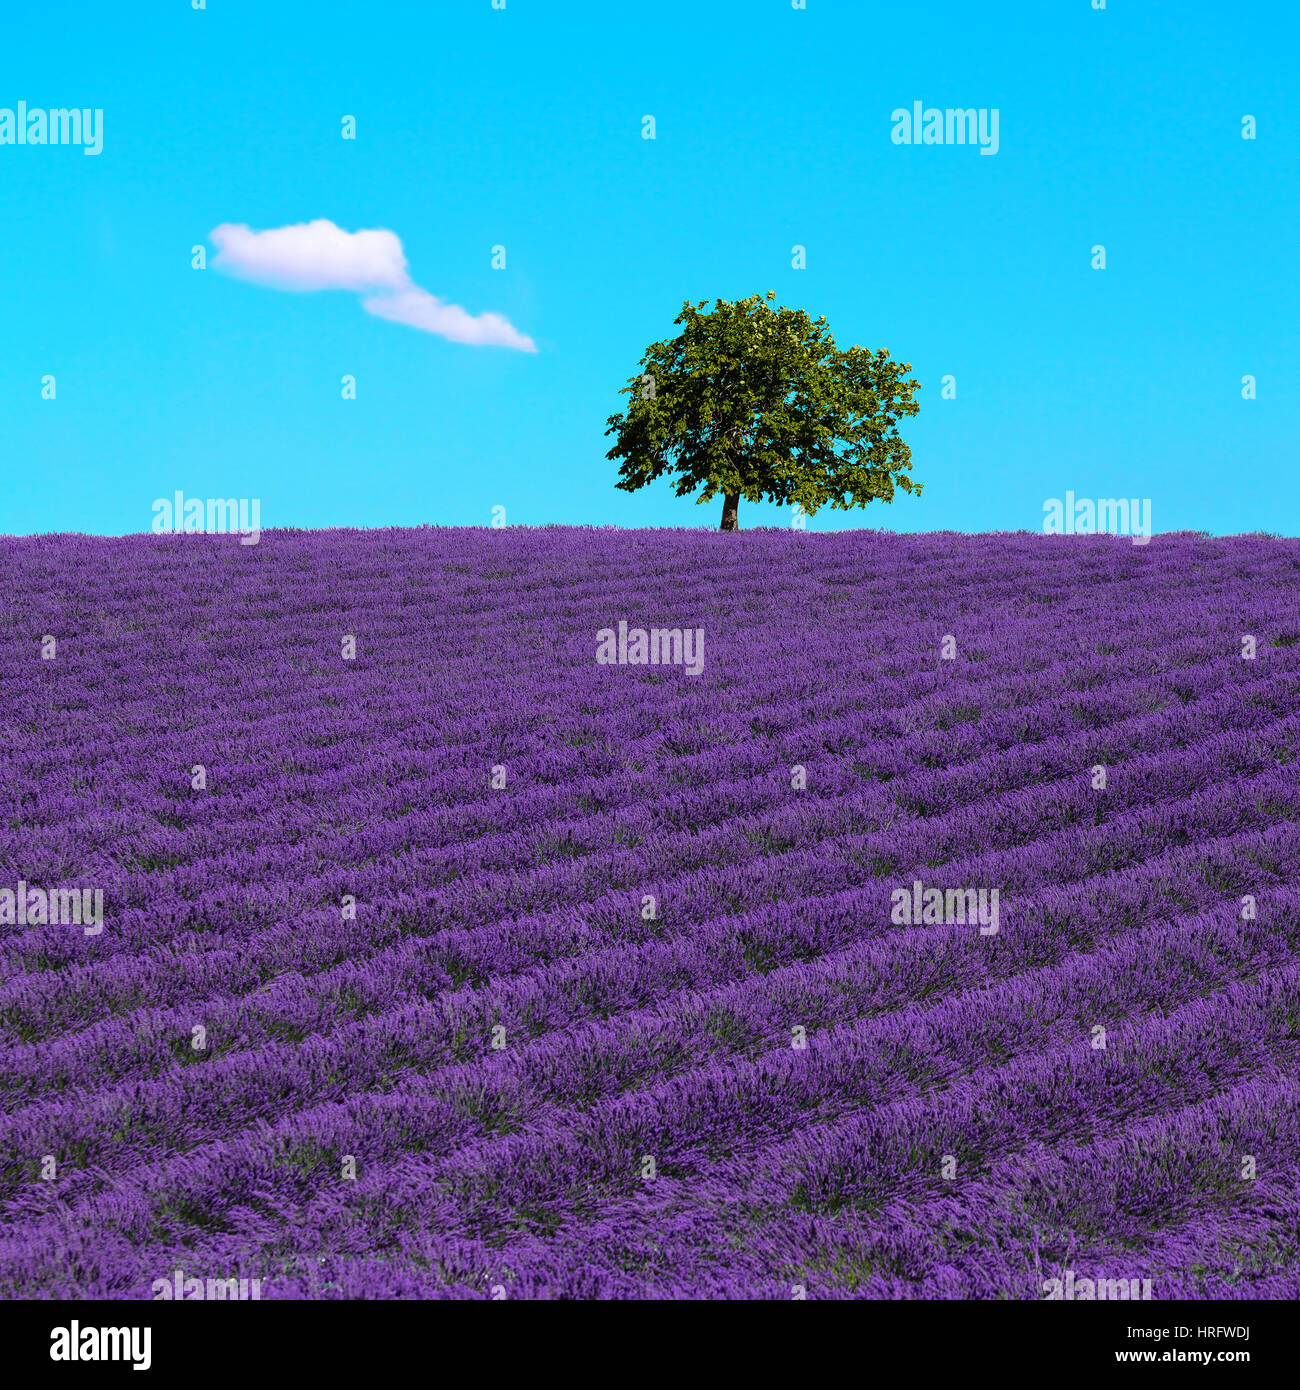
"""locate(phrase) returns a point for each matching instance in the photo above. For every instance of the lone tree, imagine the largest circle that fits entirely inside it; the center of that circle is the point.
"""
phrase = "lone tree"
(757, 402)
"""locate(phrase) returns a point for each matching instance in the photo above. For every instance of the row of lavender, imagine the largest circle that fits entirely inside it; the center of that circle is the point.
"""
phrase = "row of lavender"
(438, 958)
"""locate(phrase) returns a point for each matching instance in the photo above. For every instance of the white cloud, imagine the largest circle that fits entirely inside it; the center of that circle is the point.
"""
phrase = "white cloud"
(425, 311)
(320, 256)
(311, 256)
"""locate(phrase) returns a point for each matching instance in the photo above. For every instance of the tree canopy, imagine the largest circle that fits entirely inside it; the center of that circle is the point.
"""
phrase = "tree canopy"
(753, 401)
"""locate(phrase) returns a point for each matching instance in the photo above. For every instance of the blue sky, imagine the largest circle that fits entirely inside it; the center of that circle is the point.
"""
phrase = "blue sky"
(477, 127)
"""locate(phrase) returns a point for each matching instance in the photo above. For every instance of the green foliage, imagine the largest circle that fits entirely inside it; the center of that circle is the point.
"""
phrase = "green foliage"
(758, 402)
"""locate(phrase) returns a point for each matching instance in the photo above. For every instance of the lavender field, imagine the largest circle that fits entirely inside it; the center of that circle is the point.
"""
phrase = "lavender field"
(468, 966)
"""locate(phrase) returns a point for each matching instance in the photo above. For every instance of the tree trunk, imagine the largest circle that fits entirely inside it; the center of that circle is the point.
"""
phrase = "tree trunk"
(730, 511)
